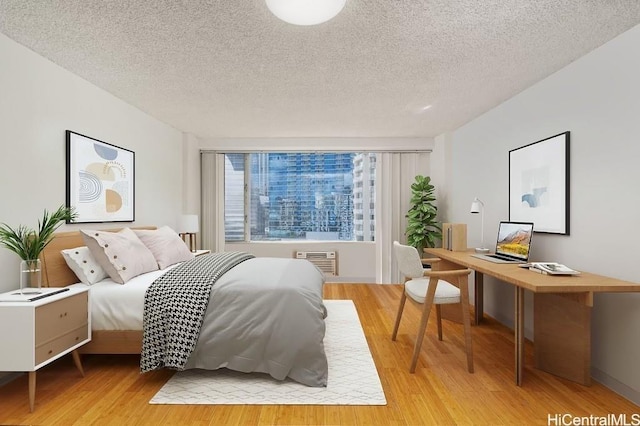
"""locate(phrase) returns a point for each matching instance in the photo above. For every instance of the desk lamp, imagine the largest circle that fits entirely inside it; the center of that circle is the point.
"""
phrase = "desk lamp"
(477, 206)
(188, 226)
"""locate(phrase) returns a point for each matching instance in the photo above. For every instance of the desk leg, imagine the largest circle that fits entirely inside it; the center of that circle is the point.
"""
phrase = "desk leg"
(478, 297)
(562, 334)
(519, 333)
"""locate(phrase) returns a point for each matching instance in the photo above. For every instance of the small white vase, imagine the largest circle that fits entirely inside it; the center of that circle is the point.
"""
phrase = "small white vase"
(30, 277)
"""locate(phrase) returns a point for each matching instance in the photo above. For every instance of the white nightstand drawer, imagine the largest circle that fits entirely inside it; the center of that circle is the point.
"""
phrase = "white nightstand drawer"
(54, 347)
(59, 317)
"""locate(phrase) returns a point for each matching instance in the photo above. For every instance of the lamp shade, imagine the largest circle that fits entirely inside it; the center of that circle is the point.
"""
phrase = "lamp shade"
(476, 205)
(305, 12)
(188, 223)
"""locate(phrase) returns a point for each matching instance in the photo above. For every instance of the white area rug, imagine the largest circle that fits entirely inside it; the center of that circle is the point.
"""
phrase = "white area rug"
(353, 378)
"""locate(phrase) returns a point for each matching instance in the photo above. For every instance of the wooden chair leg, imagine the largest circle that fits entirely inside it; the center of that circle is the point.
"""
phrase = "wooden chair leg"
(426, 310)
(466, 320)
(439, 318)
(403, 299)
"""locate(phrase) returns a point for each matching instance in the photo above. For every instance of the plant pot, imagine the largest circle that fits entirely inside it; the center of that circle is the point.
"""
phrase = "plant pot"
(30, 277)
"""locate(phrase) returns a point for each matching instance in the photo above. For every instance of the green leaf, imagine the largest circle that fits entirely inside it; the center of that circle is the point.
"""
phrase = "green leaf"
(422, 226)
(26, 242)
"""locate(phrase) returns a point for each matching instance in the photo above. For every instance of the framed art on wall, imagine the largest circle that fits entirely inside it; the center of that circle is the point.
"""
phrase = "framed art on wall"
(100, 180)
(539, 184)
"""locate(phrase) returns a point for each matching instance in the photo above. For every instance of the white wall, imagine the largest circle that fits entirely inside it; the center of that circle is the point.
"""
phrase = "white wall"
(356, 260)
(38, 102)
(442, 173)
(317, 144)
(597, 98)
(191, 175)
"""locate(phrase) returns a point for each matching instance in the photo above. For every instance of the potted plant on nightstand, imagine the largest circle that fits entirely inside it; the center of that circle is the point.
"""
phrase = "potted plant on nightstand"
(422, 228)
(29, 243)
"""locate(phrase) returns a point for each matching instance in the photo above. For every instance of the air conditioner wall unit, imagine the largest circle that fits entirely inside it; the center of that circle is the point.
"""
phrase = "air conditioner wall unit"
(326, 261)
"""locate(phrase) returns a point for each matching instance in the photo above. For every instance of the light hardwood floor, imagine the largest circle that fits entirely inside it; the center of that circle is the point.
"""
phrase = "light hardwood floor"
(441, 392)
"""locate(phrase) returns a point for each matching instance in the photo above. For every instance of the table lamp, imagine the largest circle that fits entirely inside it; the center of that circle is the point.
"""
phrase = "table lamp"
(188, 226)
(477, 206)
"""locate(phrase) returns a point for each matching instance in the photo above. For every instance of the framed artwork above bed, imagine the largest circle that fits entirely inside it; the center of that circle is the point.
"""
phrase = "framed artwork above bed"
(100, 180)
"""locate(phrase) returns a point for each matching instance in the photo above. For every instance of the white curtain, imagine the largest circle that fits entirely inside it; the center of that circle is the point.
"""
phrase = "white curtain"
(212, 214)
(394, 176)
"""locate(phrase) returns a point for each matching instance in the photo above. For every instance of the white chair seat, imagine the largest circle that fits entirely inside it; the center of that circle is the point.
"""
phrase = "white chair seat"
(446, 293)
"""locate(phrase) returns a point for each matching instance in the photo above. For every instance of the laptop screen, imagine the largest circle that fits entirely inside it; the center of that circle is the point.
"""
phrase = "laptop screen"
(514, 239)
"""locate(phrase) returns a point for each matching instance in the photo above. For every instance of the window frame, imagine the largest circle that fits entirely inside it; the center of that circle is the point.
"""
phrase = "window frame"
(368, 213)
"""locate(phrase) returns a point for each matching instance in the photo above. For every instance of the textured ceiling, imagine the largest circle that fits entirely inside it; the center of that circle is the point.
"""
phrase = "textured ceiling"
(228, 68)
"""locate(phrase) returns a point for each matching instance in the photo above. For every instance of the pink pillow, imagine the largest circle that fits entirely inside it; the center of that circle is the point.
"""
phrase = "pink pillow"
(121, 254)
(166, 245)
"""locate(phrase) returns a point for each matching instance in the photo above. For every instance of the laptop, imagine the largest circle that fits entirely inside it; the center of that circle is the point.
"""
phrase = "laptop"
(513, 245)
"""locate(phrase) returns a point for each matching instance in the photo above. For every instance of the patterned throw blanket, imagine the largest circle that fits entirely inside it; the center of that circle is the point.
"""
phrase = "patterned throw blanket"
(174, 308)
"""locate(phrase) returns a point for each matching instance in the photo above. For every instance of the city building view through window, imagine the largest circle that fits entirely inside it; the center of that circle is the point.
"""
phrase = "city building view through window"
(300, 196)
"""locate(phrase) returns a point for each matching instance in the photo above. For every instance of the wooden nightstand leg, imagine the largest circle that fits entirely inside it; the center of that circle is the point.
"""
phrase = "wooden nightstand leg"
(77, 361)
(32, 390)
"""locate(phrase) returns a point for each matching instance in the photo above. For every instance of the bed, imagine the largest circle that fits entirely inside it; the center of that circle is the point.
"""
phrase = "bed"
(255, 308)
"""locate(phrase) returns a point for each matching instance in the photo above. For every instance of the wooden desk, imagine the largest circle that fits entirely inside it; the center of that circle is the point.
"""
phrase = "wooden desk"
(561, 313)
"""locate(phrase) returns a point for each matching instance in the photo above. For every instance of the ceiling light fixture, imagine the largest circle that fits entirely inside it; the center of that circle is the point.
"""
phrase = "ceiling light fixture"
(305, 12)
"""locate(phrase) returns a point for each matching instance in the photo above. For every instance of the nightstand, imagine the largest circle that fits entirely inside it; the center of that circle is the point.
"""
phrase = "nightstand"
(201, 252)
(41, 331)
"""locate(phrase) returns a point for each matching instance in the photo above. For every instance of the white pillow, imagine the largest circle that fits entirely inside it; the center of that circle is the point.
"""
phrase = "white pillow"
(165, 244)
(84, 265)
(121, 254)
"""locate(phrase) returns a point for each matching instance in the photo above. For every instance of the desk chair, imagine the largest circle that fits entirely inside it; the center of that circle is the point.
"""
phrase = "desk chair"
(437, 289)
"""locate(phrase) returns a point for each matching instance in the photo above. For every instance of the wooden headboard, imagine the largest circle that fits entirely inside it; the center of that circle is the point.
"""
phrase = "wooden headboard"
(55, 272)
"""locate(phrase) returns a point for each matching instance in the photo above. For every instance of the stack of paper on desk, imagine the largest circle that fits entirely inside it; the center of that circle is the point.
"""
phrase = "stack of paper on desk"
(551, 268)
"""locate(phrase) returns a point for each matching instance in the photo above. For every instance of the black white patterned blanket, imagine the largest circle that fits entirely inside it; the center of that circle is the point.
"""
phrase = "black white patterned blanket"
(174, 308)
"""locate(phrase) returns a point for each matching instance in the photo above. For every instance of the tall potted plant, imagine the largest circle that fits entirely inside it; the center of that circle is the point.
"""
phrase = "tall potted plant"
(422, 228)
(29, 243)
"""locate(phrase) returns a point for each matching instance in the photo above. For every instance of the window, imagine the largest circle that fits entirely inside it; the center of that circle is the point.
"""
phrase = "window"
(300, 196)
